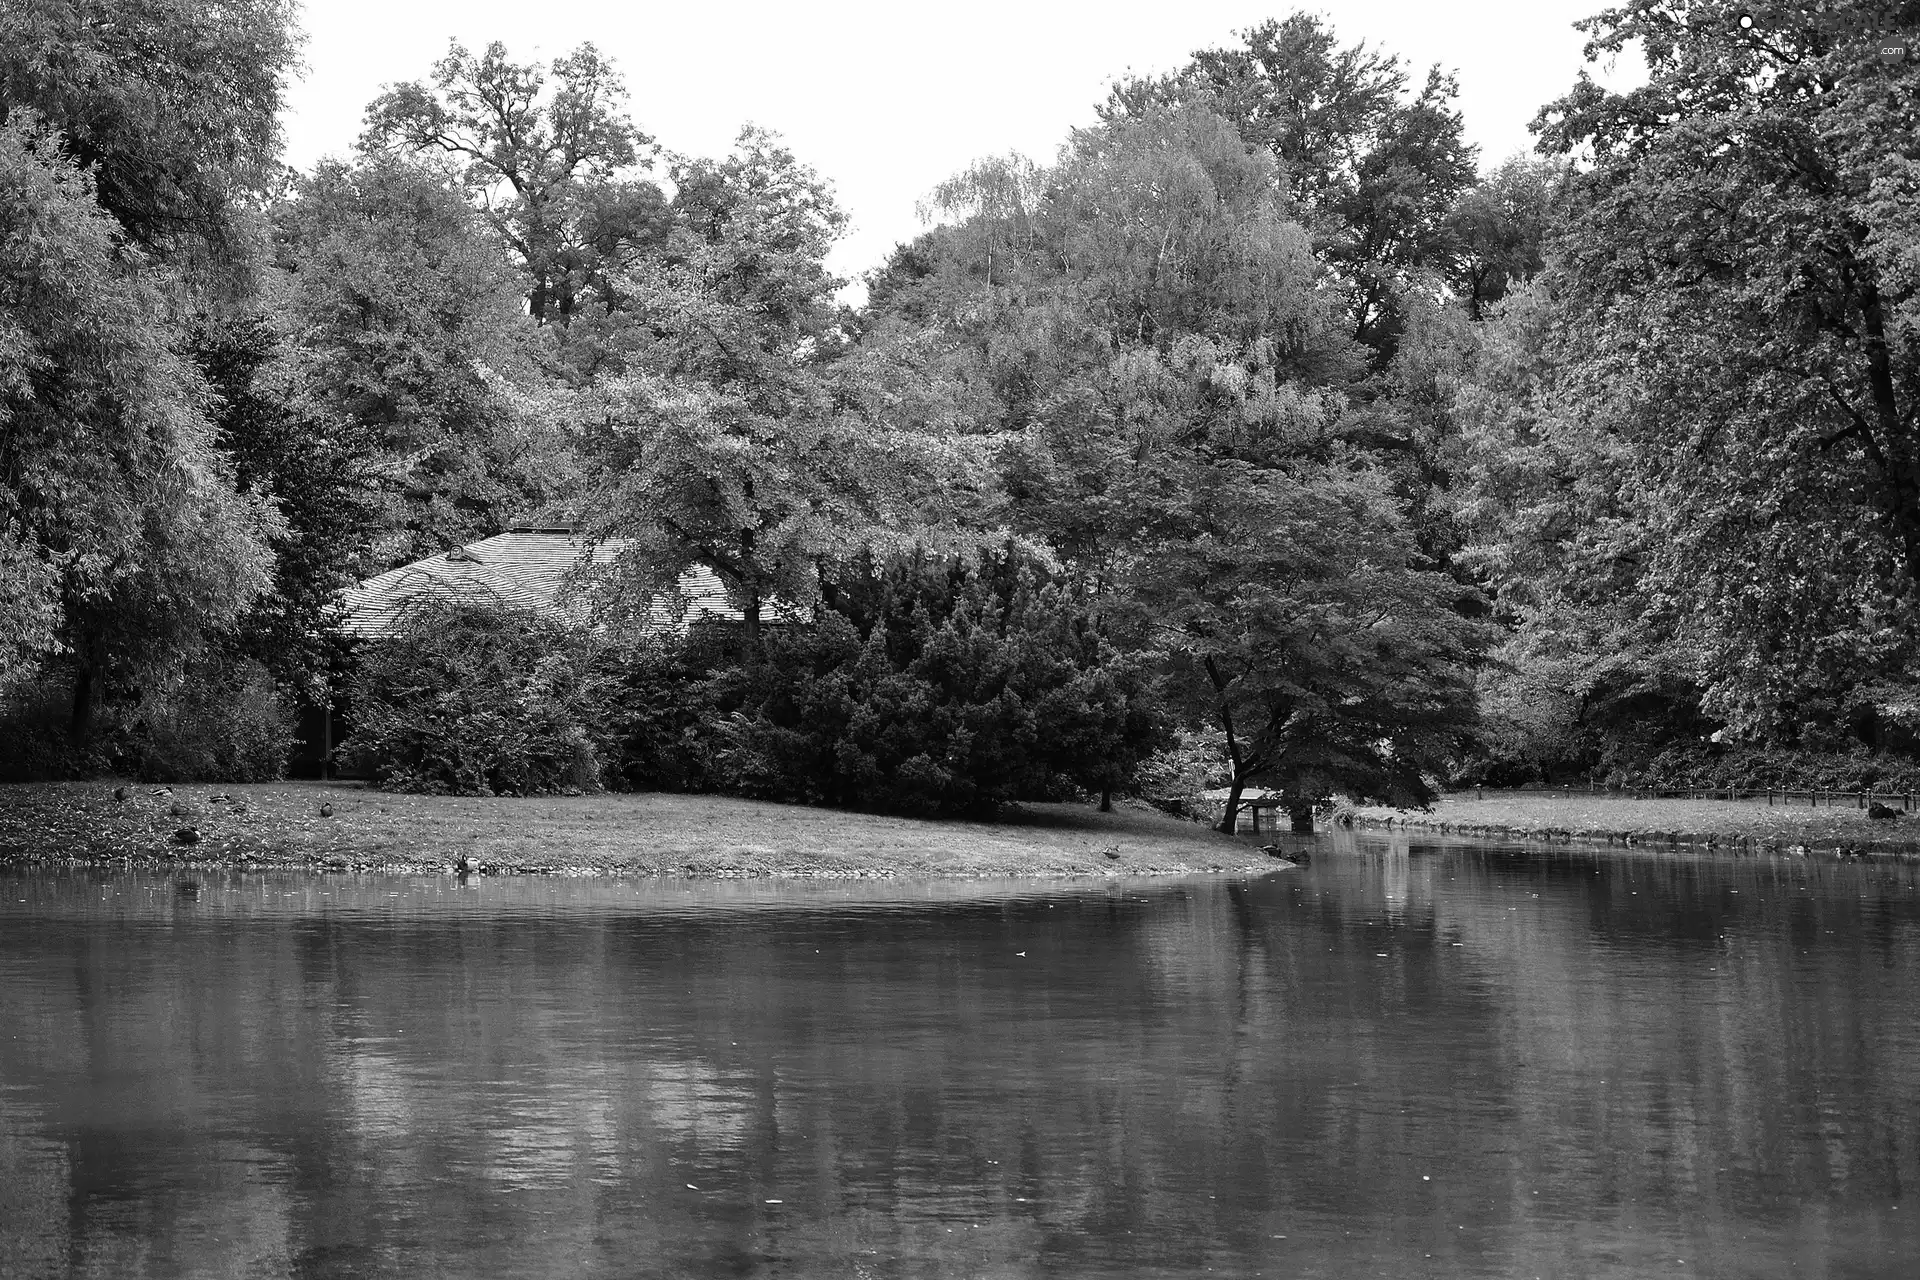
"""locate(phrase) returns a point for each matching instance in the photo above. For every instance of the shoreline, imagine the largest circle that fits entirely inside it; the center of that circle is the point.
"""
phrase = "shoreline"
(1724, 826)
(282, 826)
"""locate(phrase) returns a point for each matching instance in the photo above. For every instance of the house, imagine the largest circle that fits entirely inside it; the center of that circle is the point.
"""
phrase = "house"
(527, 567)
(530, 566)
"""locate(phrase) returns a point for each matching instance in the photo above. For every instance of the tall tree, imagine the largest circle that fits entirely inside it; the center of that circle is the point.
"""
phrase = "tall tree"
(737, 437)
(1373, 164)
(1499, 228)
(1739, 274)
(554, 173)
(1183, 381)
(170, 105)
(406, 337)
(120, 520)
(284, 448)
(138, 135)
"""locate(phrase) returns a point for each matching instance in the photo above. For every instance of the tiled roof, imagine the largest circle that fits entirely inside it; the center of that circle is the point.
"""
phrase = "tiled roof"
(524, 569)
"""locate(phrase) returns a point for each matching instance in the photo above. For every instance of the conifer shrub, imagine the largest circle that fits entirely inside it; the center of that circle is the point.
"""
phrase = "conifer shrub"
(657, 727)
(936, 685)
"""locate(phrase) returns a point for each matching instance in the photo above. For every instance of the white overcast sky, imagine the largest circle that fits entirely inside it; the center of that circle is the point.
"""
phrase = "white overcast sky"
(886, 100)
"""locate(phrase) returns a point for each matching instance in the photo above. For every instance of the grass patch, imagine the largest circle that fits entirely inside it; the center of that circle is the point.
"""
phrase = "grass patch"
(281, 824)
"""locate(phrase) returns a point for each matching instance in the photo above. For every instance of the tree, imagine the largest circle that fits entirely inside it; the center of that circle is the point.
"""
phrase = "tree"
(1184, 378)
(318, 480)
(135, 137)
(553, 175)
(171, 106)
(735, 437)
(128, 537)
(1374, 170)
(1555, 523)
(1499, 228)
(1295, 619)
(1737, 278)
(406, 339)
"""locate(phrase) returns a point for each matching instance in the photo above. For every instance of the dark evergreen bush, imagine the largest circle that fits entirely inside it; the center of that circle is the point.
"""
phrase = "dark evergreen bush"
(477, 699)
(935, 685)
(657, 733)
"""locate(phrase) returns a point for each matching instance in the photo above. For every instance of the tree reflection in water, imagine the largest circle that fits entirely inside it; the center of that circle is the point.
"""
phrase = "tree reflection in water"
(1443, 1059)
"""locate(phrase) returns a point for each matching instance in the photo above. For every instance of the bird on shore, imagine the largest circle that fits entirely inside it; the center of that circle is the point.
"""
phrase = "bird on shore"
(123, 793)
(1298, 857)
(186, 835)
(326, 809)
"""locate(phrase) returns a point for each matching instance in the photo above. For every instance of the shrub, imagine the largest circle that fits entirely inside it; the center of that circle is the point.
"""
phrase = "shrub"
(35, 745)
(657, 733)
(936, 686)
(1176, 778)
(478, 699)
(1755, 768)
(227, 721)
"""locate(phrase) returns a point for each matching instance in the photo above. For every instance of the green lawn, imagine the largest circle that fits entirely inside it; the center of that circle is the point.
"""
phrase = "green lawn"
(1604, 815)
(647, 834)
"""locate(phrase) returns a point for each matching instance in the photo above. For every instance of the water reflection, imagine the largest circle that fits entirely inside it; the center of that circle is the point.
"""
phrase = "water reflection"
(1407, 1059)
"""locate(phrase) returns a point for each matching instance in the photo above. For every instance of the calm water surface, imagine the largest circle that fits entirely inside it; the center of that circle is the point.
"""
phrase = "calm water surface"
(1449, 1060)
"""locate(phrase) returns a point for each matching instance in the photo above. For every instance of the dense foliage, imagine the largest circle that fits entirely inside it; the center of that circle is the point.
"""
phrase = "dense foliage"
(935, 685)
(135, 141)
(1263, 437)
(476, 698)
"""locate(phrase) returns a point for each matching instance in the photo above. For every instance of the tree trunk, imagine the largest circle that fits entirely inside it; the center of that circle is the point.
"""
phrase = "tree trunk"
(1232, 817)
(81, 722)
(1106, 800)
(1301, 813)
(1240, 771)
(750, 605)
(1887, 453)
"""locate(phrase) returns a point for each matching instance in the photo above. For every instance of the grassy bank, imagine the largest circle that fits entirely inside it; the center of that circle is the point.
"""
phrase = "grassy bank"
(1622, 819)
(281, 824)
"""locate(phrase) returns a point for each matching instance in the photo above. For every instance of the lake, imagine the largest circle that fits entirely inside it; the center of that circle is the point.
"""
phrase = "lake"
(1425, 1058)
